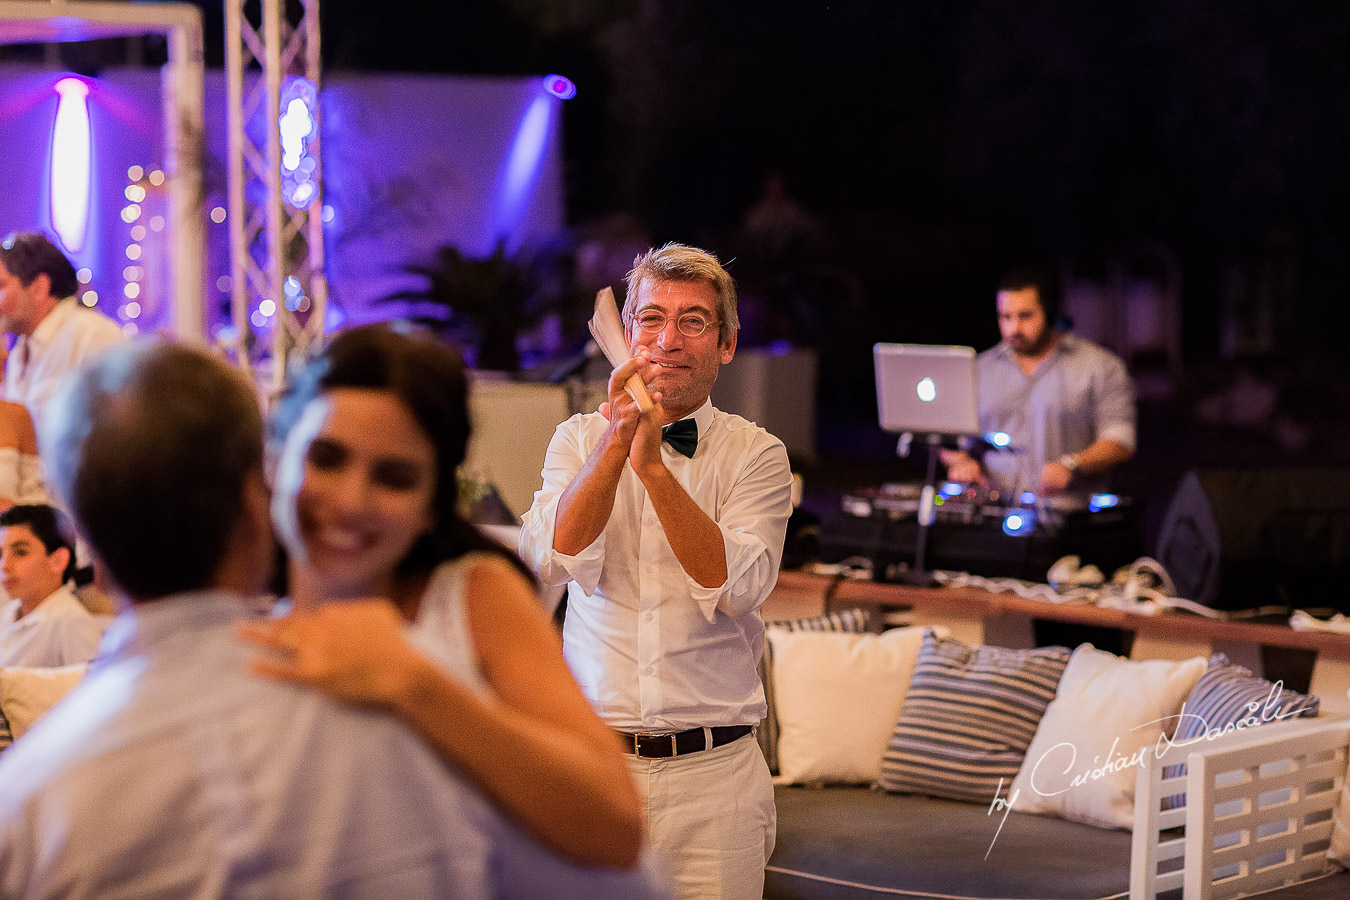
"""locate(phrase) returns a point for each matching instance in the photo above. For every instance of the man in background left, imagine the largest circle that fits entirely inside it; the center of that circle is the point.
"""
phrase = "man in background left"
(53, 332)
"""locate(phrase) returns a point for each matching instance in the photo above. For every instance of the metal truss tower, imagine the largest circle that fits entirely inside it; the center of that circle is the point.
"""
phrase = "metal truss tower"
(279, 291)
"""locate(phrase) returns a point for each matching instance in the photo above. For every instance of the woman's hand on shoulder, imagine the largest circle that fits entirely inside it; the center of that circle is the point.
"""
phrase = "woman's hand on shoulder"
(356, 651)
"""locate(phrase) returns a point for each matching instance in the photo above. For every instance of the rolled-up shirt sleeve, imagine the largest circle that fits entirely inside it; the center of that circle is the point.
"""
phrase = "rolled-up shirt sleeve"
(562, 462)
(1116, 407)
(753, 521)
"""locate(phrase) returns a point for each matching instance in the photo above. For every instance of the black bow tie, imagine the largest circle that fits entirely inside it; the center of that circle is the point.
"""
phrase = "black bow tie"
(682, 436)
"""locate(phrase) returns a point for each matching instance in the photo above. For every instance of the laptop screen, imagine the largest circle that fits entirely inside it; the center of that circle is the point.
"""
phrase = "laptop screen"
(926, 389)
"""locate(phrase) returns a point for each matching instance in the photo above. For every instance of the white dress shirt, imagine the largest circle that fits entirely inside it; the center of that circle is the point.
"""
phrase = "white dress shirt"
(65, 338)
(170, 771)
(58, 632)
(651, 648)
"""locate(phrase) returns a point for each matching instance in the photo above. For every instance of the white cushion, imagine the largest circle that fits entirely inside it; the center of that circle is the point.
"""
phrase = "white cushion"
(26, 693)
(838, 697)
(1104, 722)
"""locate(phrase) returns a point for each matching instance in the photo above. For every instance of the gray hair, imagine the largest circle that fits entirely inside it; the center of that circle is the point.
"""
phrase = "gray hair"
(680, 262)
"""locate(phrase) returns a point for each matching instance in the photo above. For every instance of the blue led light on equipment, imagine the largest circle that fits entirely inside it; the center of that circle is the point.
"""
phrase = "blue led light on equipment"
(1019, 523)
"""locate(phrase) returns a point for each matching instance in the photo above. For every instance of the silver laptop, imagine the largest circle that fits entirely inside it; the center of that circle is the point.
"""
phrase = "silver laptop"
(926, 389)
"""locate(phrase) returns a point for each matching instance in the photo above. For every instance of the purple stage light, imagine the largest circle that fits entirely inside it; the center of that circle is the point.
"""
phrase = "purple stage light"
(299, 126)
(70, 164)
(560, 86)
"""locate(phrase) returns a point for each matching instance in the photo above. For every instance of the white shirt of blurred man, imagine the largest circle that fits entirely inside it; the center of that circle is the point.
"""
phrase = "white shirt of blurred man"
(54, 331)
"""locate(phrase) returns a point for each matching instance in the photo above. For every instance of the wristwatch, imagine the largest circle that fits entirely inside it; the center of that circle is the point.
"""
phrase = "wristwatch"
(1069, 461)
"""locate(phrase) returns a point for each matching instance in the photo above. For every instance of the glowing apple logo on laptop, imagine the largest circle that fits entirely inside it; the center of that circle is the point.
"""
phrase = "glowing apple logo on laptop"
(926, 390)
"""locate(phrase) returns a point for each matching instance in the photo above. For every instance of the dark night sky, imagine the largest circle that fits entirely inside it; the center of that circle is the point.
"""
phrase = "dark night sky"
(940, 142)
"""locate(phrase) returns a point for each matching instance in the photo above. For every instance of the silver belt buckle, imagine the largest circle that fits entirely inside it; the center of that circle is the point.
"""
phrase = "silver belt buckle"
(637, 745)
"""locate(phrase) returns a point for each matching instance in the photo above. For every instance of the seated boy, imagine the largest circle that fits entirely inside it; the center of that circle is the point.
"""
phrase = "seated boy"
(43, 624)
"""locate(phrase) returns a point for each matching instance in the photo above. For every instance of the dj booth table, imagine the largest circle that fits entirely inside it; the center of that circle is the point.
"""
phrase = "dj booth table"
(968, 535)
(978, 616)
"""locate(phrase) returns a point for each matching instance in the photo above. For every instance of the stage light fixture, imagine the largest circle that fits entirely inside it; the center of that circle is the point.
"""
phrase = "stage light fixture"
(560, 86)
(69, 170)
(298, 126)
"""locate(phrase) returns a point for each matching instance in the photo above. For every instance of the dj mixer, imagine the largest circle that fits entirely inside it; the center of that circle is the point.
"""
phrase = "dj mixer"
(981, 533)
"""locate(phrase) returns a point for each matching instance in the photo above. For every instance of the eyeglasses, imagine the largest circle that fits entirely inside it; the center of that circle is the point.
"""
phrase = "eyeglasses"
(690, 324)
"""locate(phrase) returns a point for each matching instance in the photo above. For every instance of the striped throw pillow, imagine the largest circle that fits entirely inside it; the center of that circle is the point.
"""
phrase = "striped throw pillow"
(1229, 695)
(968, 718)
(855, 621)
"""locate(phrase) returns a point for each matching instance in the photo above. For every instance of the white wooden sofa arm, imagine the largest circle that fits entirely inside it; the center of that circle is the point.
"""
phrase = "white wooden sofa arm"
(1257, 813)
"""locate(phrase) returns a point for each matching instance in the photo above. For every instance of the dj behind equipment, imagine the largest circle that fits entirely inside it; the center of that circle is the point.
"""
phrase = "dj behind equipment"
(927, 395)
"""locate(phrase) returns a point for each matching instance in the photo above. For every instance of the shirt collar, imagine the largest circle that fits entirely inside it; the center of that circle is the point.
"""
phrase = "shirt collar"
(53, 602)
(145, 624)
(703, 417)
(1063, 344)
(51, 323)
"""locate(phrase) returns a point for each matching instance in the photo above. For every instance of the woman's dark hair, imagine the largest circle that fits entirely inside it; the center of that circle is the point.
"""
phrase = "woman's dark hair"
(430, 379)
(52, 529)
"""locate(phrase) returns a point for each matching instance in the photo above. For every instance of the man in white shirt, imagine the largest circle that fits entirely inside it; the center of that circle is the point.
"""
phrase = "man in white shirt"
(43, 624)
(171, 771)
(54, 332)
(670, 543)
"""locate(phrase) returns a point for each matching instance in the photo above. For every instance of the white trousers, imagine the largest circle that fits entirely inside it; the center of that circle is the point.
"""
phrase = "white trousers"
(711, 818)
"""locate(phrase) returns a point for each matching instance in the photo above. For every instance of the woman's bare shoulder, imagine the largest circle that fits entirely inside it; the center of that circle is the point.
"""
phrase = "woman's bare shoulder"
(16, 427)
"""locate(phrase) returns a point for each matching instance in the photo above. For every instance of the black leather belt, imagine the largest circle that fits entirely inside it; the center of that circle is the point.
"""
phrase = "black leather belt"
(664, 746)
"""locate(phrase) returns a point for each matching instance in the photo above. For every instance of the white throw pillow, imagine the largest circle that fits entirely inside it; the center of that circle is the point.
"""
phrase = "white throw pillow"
(838, 698)
(26, 693)
(1104, 722)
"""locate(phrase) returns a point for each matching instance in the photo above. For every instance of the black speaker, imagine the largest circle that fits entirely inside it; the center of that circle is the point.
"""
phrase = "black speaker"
(1241, 539)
